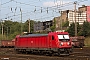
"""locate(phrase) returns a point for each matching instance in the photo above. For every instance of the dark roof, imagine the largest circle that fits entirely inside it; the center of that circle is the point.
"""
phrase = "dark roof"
(34, 35)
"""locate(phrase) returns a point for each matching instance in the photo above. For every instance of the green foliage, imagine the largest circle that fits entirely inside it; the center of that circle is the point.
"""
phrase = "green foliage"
(71, 29)
(65, 24)
(52, 28)
(32, 26)
(54, 25)
(26, 26)
(87, 41)
(82, 30)
(12, 36)
(11, 29)
(85, 29)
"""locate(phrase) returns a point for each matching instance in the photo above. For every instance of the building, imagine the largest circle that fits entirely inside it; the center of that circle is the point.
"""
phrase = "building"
(85, 9)
(47, 24)
(61, 19)
(82, 14)
(43, 26)
(80, 17)
(57, 20)
(88, 13)
(38, 26)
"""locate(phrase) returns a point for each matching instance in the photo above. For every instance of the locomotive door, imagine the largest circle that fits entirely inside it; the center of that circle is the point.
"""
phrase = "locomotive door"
(50, 41)
(17, 44)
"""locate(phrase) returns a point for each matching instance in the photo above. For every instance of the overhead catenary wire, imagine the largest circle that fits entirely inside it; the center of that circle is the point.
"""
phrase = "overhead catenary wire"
(6, 2)
(3, 4)
(32, 11)
(53, 7)
(26, 13)
(40, 6)
(43, 8)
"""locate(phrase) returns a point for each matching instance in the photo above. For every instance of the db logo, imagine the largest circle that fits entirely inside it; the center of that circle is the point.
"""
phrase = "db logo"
(31, 41)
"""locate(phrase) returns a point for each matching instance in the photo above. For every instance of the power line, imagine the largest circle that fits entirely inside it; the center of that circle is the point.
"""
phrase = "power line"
(6, 2)
(26, 13)
(45, 8)
(39, 6)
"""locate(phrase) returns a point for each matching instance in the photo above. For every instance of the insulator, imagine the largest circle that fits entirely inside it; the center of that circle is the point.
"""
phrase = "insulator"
(41, 9)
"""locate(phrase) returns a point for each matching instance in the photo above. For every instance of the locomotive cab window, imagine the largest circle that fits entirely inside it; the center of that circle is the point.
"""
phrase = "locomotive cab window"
(52, 37)
(63, 37)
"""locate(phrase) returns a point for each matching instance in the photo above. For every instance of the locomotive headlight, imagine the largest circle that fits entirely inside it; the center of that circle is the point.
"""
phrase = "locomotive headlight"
(61, 43)
(68, 43)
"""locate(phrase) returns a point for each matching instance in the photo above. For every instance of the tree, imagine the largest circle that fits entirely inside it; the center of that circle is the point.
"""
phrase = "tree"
(78, 29)
(54, 25)
(32, 26)
(26, 24)
(85, 29)
(65, 24)
(71, 29)
(83, 5)
(82, 30)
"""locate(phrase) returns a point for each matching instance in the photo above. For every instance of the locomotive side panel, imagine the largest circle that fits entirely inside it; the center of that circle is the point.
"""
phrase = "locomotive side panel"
(23, 42)
(32, 42)
(37, 42)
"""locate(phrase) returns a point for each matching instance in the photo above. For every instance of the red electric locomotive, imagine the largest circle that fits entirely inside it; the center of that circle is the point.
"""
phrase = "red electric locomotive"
(53, 42)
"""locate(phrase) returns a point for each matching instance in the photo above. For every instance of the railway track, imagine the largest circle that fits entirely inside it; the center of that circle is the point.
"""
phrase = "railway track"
(38, 57)
(9, 54)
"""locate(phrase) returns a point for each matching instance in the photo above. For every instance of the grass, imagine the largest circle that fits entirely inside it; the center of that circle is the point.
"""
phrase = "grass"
(87, 41)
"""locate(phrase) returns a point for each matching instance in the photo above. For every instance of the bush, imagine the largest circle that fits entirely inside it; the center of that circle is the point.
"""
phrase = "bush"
(87, 41)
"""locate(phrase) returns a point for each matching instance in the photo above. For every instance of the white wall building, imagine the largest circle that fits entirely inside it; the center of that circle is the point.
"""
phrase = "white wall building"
(80, 17)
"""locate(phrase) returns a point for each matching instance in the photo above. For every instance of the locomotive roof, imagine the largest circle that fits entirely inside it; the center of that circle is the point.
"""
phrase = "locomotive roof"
(34, 35)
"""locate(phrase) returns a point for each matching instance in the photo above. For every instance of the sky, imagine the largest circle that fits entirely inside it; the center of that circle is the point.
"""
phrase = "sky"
(38, 10)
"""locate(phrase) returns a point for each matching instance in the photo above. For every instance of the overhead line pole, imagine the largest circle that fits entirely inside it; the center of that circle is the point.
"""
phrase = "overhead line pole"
(61, 16)
(75, 18)
(29, 25)
(21, 20)
(2, 29)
